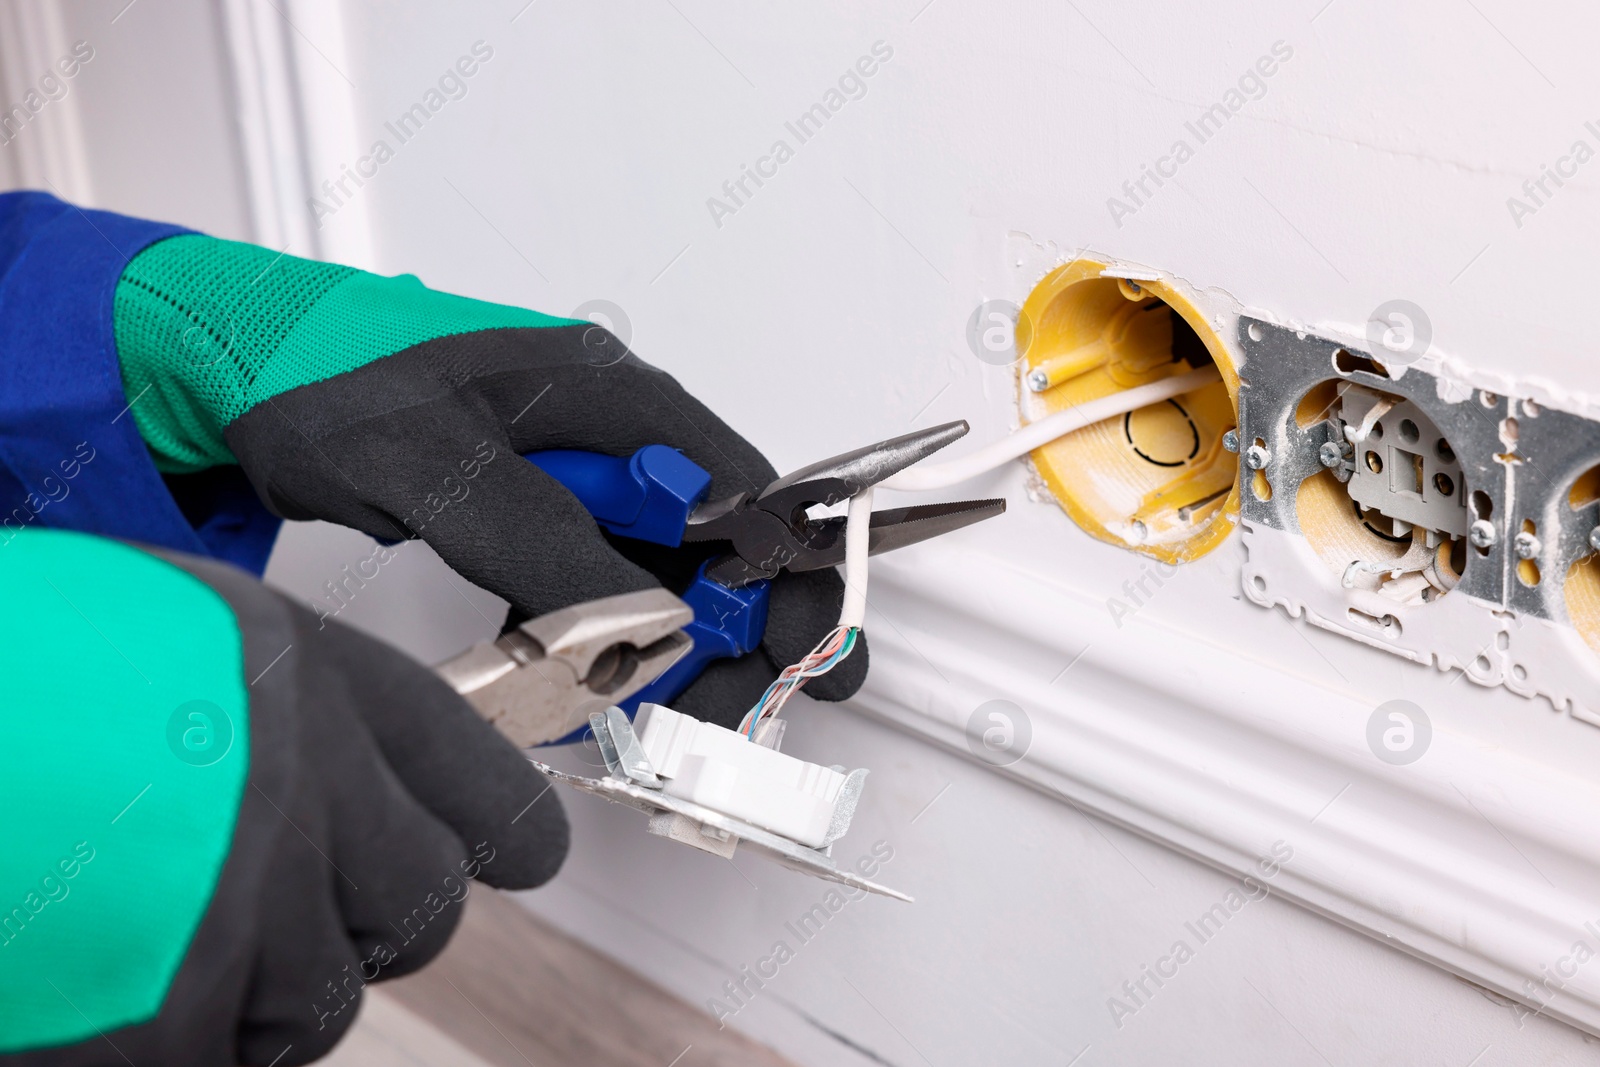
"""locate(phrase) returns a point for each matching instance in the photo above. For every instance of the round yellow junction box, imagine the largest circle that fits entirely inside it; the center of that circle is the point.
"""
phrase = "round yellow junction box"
(1157, 480)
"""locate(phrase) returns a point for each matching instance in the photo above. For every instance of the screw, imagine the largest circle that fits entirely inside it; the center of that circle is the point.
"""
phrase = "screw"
(1038, 381)
(1482, 533)
(1594, 538)
(1527, 545)
(1330, 454)
(1132, 284)
(1230, 441)
(1256, 457)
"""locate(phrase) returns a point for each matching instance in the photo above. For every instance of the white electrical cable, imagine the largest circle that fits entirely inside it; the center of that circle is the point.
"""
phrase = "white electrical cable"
(857, 536)
(1047, 429)
(839, 641)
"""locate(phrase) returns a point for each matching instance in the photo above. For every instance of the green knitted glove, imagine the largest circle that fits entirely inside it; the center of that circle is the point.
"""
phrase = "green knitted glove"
(223, 818)
(382, 405)
(208, 329)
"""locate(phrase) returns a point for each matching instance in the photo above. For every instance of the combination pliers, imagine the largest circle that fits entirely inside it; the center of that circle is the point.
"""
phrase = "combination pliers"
(541, 680)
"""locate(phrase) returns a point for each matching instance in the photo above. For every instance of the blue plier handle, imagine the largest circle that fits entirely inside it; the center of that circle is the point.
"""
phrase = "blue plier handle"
(649, 496)
(659, 495)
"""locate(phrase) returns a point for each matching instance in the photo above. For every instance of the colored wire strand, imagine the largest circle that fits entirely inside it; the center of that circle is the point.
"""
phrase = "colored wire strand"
(841, 640)
(828, 654)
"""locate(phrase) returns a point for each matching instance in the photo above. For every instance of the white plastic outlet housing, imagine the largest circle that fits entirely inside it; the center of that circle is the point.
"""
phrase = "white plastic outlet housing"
(725, 771)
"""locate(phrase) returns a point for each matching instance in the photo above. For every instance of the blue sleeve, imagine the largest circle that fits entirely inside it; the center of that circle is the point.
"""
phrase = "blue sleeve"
(70, 453)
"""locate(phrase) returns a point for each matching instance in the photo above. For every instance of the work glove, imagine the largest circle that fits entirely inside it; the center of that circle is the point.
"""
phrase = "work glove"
(224, 815)
(380, 404)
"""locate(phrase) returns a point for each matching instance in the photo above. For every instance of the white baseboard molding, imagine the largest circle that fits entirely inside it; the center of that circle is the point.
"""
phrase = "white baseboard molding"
(1482, 857)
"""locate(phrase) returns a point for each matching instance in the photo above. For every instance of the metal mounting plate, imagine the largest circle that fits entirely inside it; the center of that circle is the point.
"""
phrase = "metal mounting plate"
(779, 849)
(1518, 462)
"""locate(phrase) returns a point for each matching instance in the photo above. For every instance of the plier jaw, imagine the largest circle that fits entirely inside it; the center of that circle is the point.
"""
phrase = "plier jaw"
(539, 681)
(772, 531)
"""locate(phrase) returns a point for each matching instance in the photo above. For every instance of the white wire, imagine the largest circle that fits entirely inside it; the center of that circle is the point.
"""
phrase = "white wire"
(858, 519)
(1047, 429)
(857, 535)
(940, 476)
(852, 614)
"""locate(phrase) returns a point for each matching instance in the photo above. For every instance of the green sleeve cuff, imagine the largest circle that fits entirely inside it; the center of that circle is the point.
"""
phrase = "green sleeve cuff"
(207, 329)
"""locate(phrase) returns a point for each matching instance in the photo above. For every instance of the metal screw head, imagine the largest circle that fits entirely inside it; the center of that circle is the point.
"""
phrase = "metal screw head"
(1330, 454)
(1594, 538)
(1038, 381)
(1481, 533)
(1526, 545)
(1230, 441)
(1256, 457)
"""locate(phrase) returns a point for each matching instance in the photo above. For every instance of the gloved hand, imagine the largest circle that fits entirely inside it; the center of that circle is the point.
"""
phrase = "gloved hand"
(403, 412)
(223, 819)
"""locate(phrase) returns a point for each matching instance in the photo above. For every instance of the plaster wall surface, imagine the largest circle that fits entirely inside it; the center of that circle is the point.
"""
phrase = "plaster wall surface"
(829, 308)
(828, 305)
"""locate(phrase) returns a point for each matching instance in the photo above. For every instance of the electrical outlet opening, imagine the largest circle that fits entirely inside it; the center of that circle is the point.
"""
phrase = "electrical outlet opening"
(1580, 588)
(1388, 510)
(1157, 480)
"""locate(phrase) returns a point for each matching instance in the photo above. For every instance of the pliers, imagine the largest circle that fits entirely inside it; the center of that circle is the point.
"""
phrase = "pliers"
(772, 531)
(659, 495)
(541, 681)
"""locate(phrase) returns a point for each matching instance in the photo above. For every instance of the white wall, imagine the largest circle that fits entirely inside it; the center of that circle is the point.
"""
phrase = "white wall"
(830, 310)
(144, 127)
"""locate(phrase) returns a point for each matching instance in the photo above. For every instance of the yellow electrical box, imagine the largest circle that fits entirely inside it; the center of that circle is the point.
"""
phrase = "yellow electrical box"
(1157, 480)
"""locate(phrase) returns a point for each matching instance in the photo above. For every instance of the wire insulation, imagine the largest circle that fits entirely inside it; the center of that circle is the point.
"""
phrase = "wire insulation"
(1047, 429)
(841, 640)
(857, 538)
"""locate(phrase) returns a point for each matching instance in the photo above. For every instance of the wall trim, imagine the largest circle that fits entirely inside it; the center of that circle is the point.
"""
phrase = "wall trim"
(296, 109)
(1476, 858)
(49, 153)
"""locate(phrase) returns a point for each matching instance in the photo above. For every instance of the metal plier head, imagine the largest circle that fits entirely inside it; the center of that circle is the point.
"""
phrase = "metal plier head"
(539, 681)
(772, 530)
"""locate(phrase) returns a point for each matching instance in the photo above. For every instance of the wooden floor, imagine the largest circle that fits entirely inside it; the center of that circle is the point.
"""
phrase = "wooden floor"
(511, 991)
